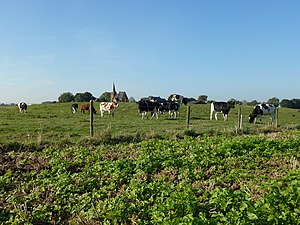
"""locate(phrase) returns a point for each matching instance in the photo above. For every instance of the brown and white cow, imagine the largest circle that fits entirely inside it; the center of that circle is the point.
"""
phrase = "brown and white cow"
(86, 107)
(108, 107)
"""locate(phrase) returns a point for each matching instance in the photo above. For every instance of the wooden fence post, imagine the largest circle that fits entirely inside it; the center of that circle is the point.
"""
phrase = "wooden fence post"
(241, 125)
(91, 119)
(188, 113)
(276, 119)
(240, 118)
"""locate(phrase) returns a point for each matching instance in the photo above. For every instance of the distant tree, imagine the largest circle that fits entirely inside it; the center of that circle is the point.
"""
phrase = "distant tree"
(131, 99)
(66, 97)
(105, 97)
(203, 98)
(78, 97)
(237, 102)
(84, 97)
(244, 102)
(253, 103)
(273, 101)
(286, 103)
(295, 103)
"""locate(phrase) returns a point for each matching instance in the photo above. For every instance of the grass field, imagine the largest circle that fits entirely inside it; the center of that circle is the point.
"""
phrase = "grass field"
(135, 171)
(54, 123)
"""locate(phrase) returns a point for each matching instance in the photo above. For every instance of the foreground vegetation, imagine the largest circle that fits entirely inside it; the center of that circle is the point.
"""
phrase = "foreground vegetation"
(209, 180)
(147, 172)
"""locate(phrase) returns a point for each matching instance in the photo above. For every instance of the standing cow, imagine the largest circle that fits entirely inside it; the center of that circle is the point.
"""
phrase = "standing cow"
(22, 107)
(74, 108)
(221, 107)
(108, 107)
(262, 109)
(171, 107)
(146, 105)
(85, 107)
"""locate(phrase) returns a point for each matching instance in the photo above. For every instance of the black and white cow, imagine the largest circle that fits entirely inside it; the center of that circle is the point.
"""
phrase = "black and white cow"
(173, 108)
(145, 106)
(262, 109)
(221, 107)
(74, 108)
(175, 102)
(22, 107)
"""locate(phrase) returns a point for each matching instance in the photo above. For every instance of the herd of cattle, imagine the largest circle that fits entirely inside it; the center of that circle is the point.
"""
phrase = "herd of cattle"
(156, 105)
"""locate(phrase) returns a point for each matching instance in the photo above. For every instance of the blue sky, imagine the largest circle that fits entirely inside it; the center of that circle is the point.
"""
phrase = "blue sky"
(223, 49)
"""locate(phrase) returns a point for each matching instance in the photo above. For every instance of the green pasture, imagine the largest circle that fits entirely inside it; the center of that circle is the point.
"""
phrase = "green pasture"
(135, 171)
(54, 123)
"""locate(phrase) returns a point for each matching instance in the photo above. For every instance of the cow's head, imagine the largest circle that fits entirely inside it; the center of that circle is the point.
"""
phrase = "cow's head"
(231, 104)
(175, 98)
(252, 118)
(94, 110)
(185, 101)
(115, 100)
(142, 104)
(256, 111)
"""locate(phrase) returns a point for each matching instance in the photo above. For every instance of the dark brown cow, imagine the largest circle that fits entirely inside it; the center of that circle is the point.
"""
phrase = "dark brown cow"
(85, 107)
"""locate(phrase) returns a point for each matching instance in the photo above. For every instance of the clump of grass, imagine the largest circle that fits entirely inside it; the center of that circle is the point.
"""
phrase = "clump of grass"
(191, 133)
(106, 135)
(152, 135)
(267, 129)
(39, 138)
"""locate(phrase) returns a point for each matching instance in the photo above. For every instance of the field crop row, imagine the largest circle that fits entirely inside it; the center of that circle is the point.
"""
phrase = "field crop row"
(203, 180)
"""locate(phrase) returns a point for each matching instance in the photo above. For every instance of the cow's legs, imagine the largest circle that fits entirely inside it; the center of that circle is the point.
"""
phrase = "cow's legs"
(154, 113)
(143, 114)
(211, 115)
(260, 118)
(172, 114)
(216, 117)
(272, 116)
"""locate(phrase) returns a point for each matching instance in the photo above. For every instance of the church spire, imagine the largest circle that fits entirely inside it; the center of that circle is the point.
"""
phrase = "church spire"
(113, 93)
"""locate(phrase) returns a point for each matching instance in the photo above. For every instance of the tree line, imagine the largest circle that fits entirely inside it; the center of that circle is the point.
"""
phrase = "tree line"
(105, 97)
(82, 97)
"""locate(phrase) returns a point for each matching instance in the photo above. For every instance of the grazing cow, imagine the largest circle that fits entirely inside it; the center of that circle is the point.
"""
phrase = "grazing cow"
(108, 107)
(148, 106)
(22, 107)
(169, 106)
(85, 107)
(221, 107)
(74, 108)
(262, 109)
